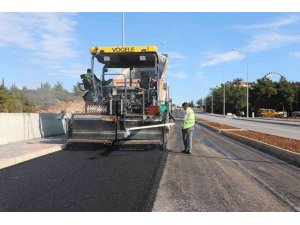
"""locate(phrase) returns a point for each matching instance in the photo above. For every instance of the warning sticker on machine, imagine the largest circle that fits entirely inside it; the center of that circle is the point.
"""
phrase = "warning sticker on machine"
(96, 109)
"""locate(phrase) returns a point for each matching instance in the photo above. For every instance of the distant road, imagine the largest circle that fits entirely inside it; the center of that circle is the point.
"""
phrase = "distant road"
(282, 130)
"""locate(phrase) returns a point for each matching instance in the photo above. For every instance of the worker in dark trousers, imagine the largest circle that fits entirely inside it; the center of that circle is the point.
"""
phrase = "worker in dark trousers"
(188, 128)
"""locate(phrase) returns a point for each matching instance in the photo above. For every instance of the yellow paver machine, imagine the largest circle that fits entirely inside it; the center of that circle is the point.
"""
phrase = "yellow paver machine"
(130, 106)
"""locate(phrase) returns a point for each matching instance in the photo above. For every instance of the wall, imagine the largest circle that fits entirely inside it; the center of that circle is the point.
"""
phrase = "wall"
(16, 127)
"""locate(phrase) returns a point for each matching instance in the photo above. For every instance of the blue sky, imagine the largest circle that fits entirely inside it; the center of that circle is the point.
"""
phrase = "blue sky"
(41, 47)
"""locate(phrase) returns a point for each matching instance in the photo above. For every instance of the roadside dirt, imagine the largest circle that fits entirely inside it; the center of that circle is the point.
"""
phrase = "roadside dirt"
(75, 106)
(217, 125)
(285, 143)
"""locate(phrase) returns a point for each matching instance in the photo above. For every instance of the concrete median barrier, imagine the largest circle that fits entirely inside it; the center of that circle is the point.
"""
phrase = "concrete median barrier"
(16, 127)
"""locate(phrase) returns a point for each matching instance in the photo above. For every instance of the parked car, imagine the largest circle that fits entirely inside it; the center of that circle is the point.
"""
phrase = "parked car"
(268, 113)
(296, 114)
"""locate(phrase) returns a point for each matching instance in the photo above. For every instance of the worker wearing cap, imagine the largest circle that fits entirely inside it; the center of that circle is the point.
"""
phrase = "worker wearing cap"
(188, 128)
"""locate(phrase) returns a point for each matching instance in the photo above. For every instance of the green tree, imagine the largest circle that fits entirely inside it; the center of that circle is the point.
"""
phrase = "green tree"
(200, 103)
(6, 101)
(2, 86)
(296, 102)
(14, 100)
(263, 94)
(285, 95)
(58, 87)
(192, 104)
(235, 98)
(46, 86)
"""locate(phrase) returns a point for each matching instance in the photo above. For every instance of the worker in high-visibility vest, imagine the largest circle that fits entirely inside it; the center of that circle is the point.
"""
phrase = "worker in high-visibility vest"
(188, 128)
(89, 77)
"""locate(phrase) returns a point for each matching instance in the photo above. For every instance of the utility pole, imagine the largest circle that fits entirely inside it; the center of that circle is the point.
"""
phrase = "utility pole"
(223, 95)
(297, 97)
(247, 87)
(123, 30)
(212, 101)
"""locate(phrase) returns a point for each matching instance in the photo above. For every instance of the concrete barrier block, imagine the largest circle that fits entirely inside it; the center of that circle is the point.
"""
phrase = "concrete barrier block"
(50, 126)
(15, 127)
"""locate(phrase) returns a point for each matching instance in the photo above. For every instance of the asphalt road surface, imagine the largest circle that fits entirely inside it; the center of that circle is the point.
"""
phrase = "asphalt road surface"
(225, 175)
(220, 175)
(81, 180)
(282, 130)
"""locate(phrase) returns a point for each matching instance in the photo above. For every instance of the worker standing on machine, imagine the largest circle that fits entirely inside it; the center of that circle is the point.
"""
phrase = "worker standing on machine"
(188, 128)
(89, 77)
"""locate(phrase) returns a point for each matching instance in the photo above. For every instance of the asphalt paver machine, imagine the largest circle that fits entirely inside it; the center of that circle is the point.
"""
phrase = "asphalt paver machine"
(130, 106)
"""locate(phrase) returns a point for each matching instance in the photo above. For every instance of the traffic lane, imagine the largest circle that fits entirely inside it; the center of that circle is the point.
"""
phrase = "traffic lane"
(82, 180)
(178, 113)
(279, 178)
(274, 129)
(272, 120)
(224, 175)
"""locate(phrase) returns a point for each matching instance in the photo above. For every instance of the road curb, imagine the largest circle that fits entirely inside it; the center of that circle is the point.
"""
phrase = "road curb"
(209, 127)
(217, 129)
(269, 121)
(278, 152)
(22, 158)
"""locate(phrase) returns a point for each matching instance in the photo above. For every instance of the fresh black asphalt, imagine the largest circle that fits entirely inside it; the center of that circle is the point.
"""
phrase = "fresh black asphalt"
(220, 175)
(84, 180)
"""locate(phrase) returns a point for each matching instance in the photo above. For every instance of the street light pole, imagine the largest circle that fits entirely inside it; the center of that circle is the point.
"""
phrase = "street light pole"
(247, 87)
(212, 101)
(297, 97)
(123, 30)
(223, 95)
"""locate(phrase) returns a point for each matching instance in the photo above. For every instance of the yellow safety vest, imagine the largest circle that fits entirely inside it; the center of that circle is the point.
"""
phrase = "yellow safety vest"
(190, 122)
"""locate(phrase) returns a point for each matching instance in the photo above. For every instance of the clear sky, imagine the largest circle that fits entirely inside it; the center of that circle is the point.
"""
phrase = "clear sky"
(53, 47)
